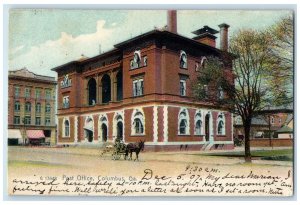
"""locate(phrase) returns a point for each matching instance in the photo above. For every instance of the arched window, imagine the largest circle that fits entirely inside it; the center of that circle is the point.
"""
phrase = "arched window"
(67, 128)
(106, 89)
(27, 106)
(138, 123)
(119, 77)
(198, 123)
(92, 90)
(183, 123)
(221, 124)
(38, 107)
(183, 59)
(17, 106)
(48, 108)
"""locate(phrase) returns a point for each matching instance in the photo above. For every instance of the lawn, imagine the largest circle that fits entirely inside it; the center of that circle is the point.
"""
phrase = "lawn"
(280, 155)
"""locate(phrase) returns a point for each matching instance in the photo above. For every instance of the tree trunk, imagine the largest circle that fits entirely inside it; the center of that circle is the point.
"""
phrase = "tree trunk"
(247, 127)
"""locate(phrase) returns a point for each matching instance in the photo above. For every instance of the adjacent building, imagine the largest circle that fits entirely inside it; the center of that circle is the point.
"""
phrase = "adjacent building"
(270, 127)
(31, 108)
(142, 90)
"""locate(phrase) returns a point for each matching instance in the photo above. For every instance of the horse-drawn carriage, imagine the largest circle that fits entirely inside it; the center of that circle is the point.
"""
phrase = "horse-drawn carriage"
(120, 149)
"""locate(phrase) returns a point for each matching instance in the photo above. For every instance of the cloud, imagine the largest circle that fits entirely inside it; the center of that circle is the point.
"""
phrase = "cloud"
(16, 50)
(41, 58)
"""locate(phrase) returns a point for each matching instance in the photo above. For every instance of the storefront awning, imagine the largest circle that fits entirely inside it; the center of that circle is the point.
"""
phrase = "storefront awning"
(35, 134)
(14, 134)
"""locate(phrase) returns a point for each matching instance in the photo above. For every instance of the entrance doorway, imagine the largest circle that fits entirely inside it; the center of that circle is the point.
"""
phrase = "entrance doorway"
(207, 125)
(104, 132)
(120, 130)
(89, 135)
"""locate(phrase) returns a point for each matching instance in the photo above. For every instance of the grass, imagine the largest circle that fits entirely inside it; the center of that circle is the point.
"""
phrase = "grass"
(280, 155)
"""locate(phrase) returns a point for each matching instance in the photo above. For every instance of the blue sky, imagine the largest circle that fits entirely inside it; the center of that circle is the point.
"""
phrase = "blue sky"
(43, 39)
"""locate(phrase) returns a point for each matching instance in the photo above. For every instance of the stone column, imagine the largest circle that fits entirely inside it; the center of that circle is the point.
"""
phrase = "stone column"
(85, 90)
(112, 87)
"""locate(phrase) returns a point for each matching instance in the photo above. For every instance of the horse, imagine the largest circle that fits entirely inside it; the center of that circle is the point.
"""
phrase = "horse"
(136, 147)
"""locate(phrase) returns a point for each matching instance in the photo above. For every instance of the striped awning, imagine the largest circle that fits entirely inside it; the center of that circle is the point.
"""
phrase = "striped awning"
(14, 134)
(35, 134)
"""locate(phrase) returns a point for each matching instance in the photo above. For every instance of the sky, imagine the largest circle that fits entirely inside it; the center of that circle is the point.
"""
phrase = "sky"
(41, 39)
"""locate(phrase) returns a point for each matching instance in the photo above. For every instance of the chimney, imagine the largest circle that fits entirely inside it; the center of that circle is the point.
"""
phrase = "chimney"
(206, 36)
(172, 21)
(224, 36)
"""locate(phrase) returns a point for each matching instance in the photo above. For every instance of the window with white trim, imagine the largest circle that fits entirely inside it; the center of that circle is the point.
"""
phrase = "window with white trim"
(183, 59)
(27, 107)
(220, 93)
(66, 128)
(138, 87)
(17, 91)
(27, 92)
(66, 102)
(38, 108)
(198, 123)
(183, 123)
(183, 87)
(17, 106)
(138, 124)
(48, 108)
(221, 124)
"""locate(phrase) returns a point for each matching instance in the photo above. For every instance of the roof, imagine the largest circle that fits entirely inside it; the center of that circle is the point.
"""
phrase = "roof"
(258, 120)
(25, 73)
(285, 129)
(83, 59)
(289, 118)
(287, 108)
(150, 34)
(205, 29)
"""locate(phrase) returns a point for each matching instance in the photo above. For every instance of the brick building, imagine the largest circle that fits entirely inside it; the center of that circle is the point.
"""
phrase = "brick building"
(31, 107)
(141, 90)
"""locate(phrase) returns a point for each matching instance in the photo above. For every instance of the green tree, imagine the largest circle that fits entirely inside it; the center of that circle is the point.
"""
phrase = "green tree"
(244, 87)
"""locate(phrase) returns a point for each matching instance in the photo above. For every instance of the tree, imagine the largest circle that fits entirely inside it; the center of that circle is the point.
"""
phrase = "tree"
(281, 77)
(244, 87)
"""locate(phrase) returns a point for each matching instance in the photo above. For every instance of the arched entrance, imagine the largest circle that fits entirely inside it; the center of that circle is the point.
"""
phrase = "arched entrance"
(92, 90)
(106, 89)
(207, 125)
(120, 130)
(89, 129)
(104, 132)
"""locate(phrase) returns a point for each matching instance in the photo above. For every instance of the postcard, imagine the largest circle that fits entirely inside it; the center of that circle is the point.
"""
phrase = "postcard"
(150, 102)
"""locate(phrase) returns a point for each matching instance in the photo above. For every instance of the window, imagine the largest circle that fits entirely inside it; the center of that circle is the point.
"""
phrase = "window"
(198, 123)
(272, 120)
(17, 106)
(17, 91)
(66, 102)
(183, 122)
(48, 94)
(183, 127)
(197, 66)
(182, 87)
(47, 121)
(183, 59)
(38, 107)
(27, 92)
(17, 120)
(221, 124)
(136, 62)
(48, 108)
(37, 121)
(138, 123)
(38, 93)
(27, 120)
(138, 87)
(67, 128)
(206, 91)
(220, 93)
(27, 107)
(139, 129)
(145, 60)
